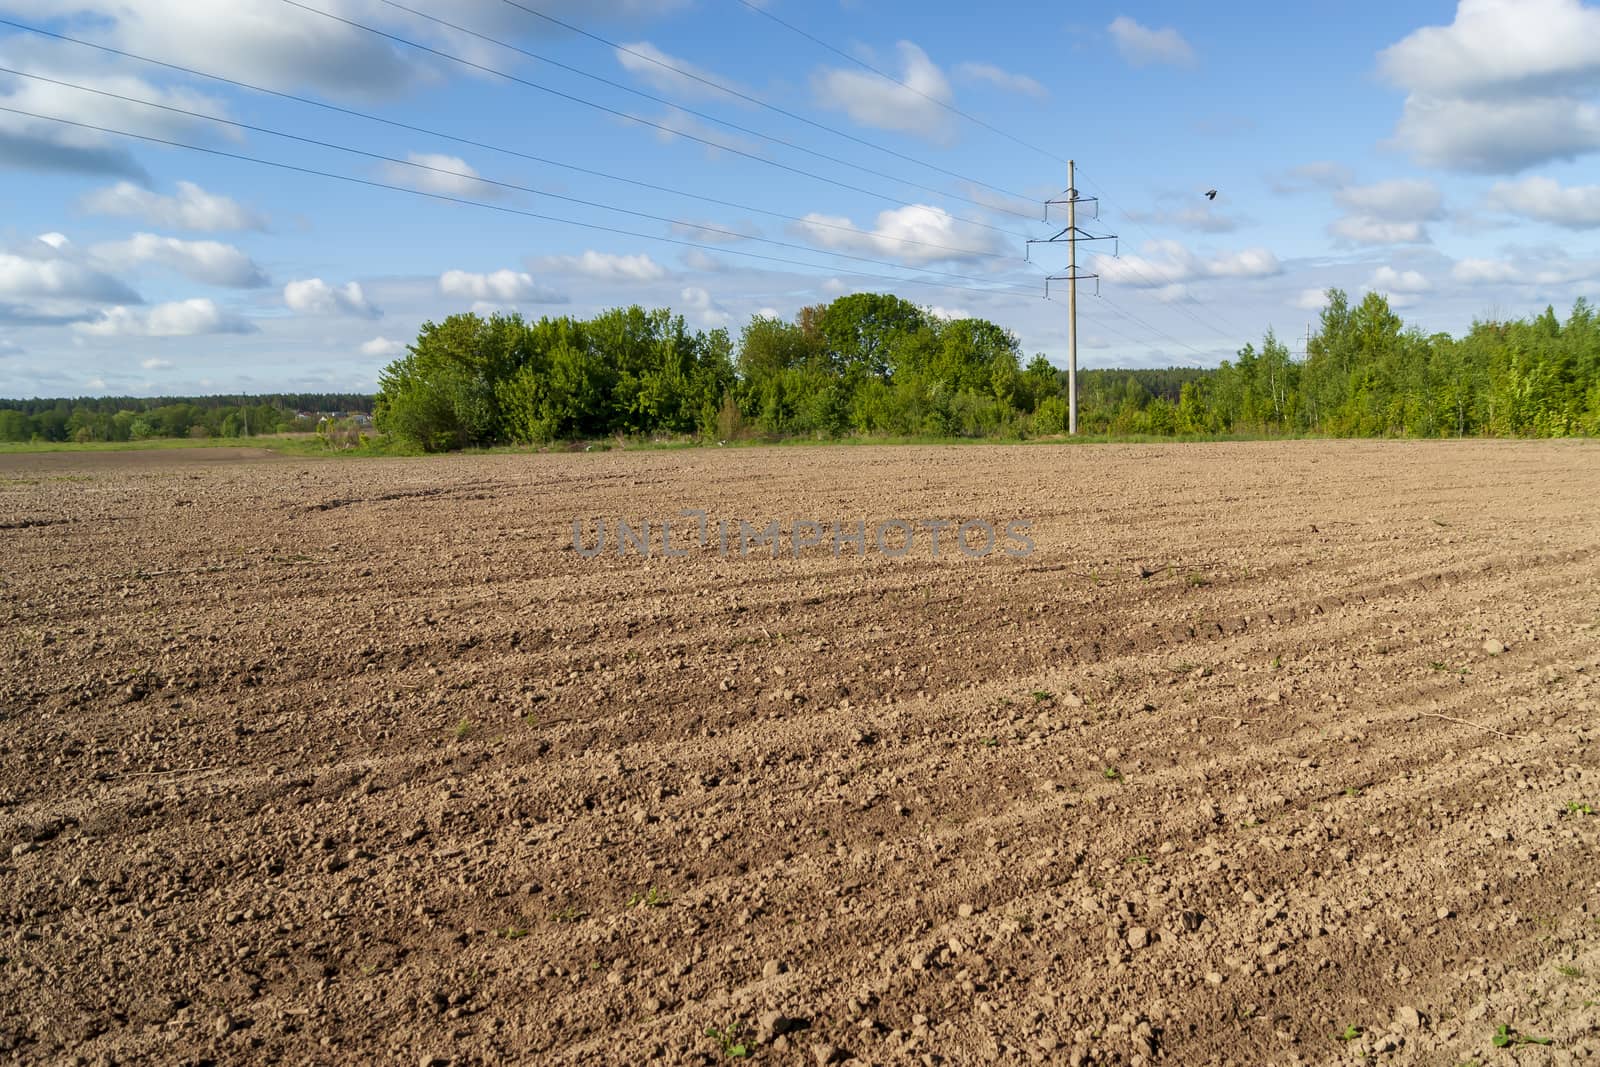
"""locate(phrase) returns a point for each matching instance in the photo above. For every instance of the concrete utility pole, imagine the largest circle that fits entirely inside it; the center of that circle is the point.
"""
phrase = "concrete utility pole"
(1071, 235)
(1072, 297)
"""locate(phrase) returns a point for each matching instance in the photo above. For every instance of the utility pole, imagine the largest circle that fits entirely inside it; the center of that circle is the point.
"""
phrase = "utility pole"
(1072, 297)
(1071, 235)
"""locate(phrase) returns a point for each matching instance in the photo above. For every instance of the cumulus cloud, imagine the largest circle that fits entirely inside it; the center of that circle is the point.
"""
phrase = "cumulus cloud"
(436, 173)
(1484, 272)
(1507, 85)
(1311, 299)
(313, 296)
(184, 318)
(42, 150)
(156, 364)
(383, 348)
(1168, 263)
(1400, 200)
(190, 208)
(1366, 230)
(1387, 279)
(42, 145)
(635, 268)
(671, 74)
(1499, 44)
(703, 308)
(1142, 46)
(50, 276)
(695, 259)
(500, 287)
(1575, 207)
(917, 234)
(1535, 266)
(207, 262)
(675, 123)
(885, 105)
(989, 74)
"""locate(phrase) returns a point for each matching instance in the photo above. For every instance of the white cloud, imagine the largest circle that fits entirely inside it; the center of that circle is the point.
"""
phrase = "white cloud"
(1484, 272)
(1000, 78)
(254, 40)
(38, 144)
(695, 259)
(58, 241)
(192, 208)
(1497, 136)
(1141, 46)
(949, 314)
(1505, 86)
(1366, 230)
(703, 308)
(383, 348)
(53, 277)
(435, 173)
(650, 64)
(1311, 299)
(1399, 200)
(313, 296)
(884, 105)
(156, 364)
(1387, 279)
(635, 268)
(1576, 207)
(917, 234)
(500, 287)
(1495, 44)
(1168, 263)
(207, 262)
(185, 318)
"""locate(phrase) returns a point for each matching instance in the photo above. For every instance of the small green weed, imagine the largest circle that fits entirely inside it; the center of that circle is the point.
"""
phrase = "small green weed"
(733, 1040)
(1507, 1037)
(650, 898)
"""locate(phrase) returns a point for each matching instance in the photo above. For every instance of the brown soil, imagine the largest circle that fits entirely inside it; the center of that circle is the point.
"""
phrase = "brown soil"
(358, 761)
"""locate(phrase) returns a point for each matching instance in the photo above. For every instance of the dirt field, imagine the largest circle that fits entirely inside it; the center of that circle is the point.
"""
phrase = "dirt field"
(1267, 753)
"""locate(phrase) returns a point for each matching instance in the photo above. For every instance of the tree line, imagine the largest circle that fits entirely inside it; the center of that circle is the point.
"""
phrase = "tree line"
(873, 364)
(127, 418)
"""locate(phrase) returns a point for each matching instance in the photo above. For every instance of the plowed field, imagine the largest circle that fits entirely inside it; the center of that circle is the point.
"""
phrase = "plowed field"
(1265, 753)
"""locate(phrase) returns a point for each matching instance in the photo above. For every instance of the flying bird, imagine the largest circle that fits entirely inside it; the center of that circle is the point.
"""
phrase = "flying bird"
(1211, 194)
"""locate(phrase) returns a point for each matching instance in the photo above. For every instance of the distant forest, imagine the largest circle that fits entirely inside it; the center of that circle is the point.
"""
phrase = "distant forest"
(870, 364)
(877, 365)
(129, 418)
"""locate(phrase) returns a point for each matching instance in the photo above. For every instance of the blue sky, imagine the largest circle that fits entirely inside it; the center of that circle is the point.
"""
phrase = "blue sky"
(1441, 153)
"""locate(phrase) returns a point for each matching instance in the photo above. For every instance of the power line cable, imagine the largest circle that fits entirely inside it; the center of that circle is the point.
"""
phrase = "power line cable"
(503, 208)
(447, 172)
(737, 93)
(395, 123)
(657, 125)
(910, 88)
